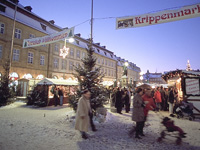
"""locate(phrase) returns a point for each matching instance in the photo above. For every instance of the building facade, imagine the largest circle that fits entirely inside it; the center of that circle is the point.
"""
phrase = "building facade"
(45, 61)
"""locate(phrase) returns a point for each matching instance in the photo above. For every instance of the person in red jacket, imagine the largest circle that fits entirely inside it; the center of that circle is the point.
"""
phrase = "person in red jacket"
(149, 102)
(148, 105)
(157, 97)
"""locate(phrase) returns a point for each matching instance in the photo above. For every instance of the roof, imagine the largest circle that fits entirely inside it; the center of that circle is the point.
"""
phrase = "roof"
(48, 81)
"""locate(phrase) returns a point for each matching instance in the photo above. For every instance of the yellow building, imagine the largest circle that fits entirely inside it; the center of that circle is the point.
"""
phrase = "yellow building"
(45, 61)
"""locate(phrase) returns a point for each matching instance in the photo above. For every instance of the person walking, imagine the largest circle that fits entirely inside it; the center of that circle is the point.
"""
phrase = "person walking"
(157, 97)
(119, 103)
(60, 93)
(82, 122)
(138, 112)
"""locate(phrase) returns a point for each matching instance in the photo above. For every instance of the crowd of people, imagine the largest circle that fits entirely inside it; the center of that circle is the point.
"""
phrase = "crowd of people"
(144, 100)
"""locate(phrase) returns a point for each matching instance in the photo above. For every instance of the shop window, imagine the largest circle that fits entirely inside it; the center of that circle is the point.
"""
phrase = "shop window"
(40, 77)
(27, 76)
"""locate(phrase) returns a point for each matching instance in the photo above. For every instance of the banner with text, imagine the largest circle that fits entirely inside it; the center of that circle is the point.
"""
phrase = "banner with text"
(159, 17)
(67, 33)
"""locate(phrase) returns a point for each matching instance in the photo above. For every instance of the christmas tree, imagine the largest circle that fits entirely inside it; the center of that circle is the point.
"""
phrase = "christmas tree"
(5, 92)
(89, 77)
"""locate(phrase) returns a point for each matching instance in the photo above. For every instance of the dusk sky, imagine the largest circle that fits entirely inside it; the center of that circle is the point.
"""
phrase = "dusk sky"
(160, 48)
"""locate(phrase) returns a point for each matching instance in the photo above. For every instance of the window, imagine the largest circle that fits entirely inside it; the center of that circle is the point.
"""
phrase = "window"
(105, 62)
(71, 63)
(102, 61)
(30, 57)
(78, 54)
(31, 36)
(99, 60)
(2, 28)
(106, 72)
(42, 60)
(43, 26)
(72, 52)
(15, 54)
(1, 51)
(57, 47)
(2, 8)
(64, 64)
(83, 55)
(77, 64)
(55, 63)
(18, 33)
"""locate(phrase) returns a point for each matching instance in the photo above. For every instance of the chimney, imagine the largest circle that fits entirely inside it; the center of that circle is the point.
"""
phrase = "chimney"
(104, 47)
(52, 21)
(79, 35)
(98, 44)
(15, 1)
(29, 8)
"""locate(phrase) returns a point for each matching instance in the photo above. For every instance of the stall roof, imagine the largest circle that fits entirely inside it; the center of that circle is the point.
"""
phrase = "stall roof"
(49, 81)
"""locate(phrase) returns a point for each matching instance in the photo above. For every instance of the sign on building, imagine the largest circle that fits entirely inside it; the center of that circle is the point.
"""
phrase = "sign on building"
(67, 33)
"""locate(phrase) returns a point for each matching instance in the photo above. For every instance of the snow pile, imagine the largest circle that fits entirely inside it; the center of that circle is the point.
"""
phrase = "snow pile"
(23, 127)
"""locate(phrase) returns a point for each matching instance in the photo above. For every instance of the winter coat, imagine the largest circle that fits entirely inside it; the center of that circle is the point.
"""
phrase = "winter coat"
(138, 109)
(118, 103)
(83, 110)
(171, 96)
(126, 99)
(157, 97)
(150, 105)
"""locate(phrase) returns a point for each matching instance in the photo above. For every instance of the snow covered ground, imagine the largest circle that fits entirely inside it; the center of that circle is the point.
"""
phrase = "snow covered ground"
(29, 128)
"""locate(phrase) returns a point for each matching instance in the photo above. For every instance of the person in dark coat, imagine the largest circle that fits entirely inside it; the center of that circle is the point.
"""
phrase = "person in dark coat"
(171, 101)
(119, 103)
(138, 112)
(60, 93)
(126, 101)
(162, 92)
(166, 105)
(55, 96)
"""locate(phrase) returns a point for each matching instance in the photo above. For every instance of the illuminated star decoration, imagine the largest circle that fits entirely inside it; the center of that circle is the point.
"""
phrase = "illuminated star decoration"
(64, 52)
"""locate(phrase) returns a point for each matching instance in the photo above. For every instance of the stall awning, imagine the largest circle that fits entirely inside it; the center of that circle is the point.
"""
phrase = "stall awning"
(49, 81)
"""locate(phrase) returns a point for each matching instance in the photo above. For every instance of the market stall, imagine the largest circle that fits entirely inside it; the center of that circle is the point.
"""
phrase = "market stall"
(188, 85)
(67, 86)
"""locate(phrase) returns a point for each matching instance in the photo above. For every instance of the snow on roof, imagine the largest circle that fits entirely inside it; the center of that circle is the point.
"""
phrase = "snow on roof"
(49, 81)
(28, 20)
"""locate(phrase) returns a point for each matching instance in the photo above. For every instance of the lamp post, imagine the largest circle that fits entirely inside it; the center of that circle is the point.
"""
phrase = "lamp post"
(13, 33)
(125, 69)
